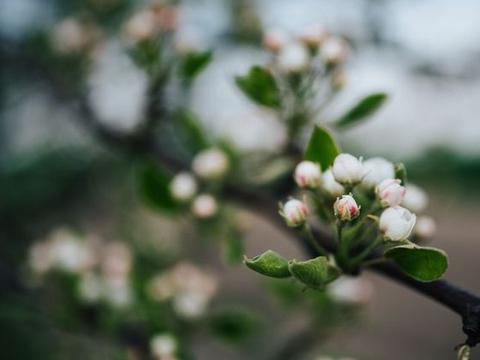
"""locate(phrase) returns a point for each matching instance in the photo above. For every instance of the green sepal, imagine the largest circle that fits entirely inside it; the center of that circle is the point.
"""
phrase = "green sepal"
(314, 273)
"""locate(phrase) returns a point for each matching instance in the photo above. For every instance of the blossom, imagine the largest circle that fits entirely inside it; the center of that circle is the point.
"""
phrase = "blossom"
(425, 227)
(377, 169)
(183, 186)
(415, 198)
(334, 51)
(204, 206)
(390, 192)
(330, 185)
(348, 170)
(293, 58)
(274, 40)
(396, 223)
(294, 212)
(346, 208)
(313, 36)
(163, 346)
(210, 164)
(308, 175)
(351, 290)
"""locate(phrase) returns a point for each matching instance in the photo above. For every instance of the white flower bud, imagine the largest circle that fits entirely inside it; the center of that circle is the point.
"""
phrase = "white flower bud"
(163, 346)
(331, 186)
(346, 208)
(334, 51)
(293, 58)
(348, 170)
(210, 164)
(313, 36)
(190, 304)
(390, 192)
(274, 40)
(425, 227)
(308, 175)
(377, 169)
(415, 198)
(183, 187)
(355, 291)
(140, 27)
(294, 212)
(117, 292)
(204, 206)
(396, 223)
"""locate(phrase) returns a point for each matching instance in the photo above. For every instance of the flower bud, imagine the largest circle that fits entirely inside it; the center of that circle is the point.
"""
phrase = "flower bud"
(140, 27)
(274, 41)
(415, 198)
(204, 206)
(346, 208)
(390, 192)
(348, 170)
(183, 187)
(425, 227)
(354, 291)
(330, 185)
(210, 164)
(163, 346)
(377, 169)
(294, 212)
(293, 58)
(313, 36)
(308, 175)
(334, 51)
(396, 223)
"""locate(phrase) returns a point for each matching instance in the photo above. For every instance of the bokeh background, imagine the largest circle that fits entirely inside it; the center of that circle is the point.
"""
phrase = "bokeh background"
(424, 54)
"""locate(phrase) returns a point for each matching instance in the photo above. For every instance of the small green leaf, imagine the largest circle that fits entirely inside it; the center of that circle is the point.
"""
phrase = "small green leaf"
(362, 110)
(269, 264)
(233, 247)
(401, 173)
(193, 63)
(191, 131)
(314, 273)
(422, 263)
(153, 185)
(322, 148)
(260, 86)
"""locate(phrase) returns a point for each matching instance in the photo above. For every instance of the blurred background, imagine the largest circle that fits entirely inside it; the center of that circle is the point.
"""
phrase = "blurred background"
(58, 181)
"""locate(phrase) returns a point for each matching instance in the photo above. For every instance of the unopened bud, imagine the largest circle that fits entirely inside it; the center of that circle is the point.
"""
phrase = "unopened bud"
(390, 192)
(204, 206)
(293, 58)
(274, 41)
(141, 27)
(396, 223)
(348, 170)
(331, 186)
(295, 212)
(163, 346)
(354, 291)
(415, 198)
(308, 175)
(183, 187)
(376, 170)
(313, 36)
(346, 208)
(334, 51)
(210, 164)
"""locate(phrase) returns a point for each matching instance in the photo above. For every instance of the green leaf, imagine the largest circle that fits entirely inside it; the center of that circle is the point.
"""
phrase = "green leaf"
(322, 148)
(153, 185)
(269, 264)
(362, 110)
(193, 63)
(422, 263)
(233, 247)
(401, 173)
(314, 273)
(260, 86)
(191, 131)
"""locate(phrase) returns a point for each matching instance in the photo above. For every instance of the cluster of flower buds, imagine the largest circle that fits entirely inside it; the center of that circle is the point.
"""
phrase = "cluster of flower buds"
(296, 54)
(210, 165)
(189, 288)
(158, 18)
(72, 36)
(103, 268)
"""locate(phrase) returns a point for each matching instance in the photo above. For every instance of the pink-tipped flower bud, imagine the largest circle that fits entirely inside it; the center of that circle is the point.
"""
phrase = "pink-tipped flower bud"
(308, 175)
(210, 164)
(377, 169)
(295, 212)
(348, 170)
(425, 227)
(331, 186)
(390, 192)
(204, 206)
(346, 208)
(313, 36)
(183, 187)
(396, 223)
(274, 40)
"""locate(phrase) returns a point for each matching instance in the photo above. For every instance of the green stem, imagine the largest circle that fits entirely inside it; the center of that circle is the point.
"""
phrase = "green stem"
(367, 251)
(309, 236)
